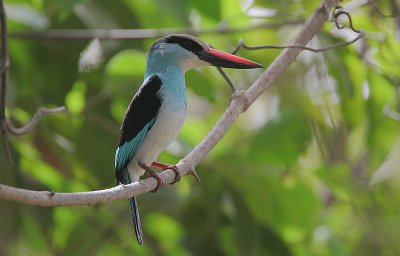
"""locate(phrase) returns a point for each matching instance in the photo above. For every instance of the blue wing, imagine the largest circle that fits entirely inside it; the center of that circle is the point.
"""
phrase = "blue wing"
(139, 118)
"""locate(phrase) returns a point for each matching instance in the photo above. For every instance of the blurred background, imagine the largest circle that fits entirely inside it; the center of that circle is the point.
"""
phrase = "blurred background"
(311, 168)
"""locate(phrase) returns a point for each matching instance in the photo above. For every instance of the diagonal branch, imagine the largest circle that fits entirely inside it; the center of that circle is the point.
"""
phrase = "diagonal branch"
(243, 99)
(240, 101)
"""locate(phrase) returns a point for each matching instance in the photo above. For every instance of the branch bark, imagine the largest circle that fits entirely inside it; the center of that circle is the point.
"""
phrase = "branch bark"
(240, 101)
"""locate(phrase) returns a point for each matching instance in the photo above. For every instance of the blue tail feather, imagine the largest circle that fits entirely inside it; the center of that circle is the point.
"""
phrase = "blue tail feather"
(136, 220)
(134, 209)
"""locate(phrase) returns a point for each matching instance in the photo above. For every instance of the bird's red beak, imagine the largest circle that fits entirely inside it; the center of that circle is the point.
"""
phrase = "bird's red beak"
(227, 60)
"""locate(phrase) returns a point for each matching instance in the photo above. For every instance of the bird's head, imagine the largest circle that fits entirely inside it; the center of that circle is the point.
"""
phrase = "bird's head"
(190, 52)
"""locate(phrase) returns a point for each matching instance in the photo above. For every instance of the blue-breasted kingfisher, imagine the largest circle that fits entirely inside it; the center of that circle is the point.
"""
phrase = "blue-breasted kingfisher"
(157, 112)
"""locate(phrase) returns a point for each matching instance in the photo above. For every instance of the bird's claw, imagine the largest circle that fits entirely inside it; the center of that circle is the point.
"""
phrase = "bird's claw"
(153, 174)
(160, 183)
(177, 174)
(166, 167)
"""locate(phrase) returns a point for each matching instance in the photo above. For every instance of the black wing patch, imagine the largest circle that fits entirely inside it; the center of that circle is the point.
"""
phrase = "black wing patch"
(139, 118)
(142, 109)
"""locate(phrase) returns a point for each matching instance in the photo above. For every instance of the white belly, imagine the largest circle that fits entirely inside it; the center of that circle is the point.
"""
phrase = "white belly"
(164, 131)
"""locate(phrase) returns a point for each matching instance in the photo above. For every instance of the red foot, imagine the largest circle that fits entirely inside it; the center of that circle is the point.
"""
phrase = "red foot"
(166, 167)
(152, 173)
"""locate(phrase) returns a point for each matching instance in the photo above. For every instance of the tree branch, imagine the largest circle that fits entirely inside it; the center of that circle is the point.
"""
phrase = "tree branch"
(119, 34)
(240, 101)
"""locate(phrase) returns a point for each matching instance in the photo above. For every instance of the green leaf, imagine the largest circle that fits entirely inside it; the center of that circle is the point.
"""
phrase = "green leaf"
(127, 63)
(211, 9)
(75, 99)
(167, 232)
(201, 85)
(281, 141)
(288, 205)
(65, 219)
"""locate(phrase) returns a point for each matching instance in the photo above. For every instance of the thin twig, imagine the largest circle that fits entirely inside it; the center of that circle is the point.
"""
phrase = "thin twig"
(227, 79)
(239, 45)
(316, 50)
(120, 34)
(225, 76)
(239, 103)
(338, 11)
(34, 121)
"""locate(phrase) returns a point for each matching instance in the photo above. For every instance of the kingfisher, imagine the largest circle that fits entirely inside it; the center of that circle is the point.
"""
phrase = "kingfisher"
(157, 112)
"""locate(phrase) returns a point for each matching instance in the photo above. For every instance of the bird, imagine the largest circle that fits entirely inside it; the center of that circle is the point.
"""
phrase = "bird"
(157, 111)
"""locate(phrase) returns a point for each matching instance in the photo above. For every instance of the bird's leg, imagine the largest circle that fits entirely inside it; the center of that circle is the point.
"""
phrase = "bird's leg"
(166, 167)
(152, 173)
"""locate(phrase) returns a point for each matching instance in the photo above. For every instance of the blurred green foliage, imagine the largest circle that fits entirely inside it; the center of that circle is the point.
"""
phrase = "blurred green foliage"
(310, 169)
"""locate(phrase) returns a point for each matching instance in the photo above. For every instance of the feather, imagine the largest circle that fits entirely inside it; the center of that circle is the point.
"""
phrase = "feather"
(136, 220)
(139, 118)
